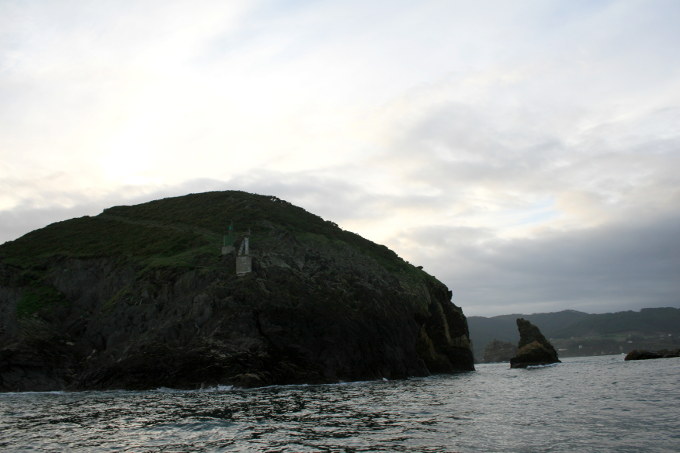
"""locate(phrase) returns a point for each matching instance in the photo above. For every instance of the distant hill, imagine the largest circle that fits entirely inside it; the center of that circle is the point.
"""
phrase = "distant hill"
(575, 333)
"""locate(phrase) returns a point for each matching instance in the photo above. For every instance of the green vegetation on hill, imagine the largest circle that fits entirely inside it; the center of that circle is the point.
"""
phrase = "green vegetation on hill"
(88, 237)
(182, 231)
(186, 232)
(36, 299)
(648, 321)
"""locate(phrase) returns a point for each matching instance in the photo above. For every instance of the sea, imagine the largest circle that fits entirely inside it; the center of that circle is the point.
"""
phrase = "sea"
(585, 404)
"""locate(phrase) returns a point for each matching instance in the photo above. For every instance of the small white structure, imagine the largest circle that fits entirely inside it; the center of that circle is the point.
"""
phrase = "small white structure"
(244, 262)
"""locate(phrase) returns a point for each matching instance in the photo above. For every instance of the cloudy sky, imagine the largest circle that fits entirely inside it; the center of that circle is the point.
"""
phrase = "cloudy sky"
(527, 153)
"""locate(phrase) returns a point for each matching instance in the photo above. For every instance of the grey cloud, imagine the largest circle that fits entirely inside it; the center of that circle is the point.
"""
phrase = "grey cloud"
(334, 196)
(453, 147)
(453, 144)
(623, 266)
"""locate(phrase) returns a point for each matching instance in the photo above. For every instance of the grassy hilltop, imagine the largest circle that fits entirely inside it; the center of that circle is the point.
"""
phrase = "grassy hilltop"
(176, 231)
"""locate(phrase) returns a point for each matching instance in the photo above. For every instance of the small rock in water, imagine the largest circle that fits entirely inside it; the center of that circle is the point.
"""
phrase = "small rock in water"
(646, 355)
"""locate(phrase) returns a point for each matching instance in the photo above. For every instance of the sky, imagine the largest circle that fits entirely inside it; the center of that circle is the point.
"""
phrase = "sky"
(525, 152)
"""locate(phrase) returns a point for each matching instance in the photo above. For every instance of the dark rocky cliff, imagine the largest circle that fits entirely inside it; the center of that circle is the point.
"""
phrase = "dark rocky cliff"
(533, 347)
(140, 297)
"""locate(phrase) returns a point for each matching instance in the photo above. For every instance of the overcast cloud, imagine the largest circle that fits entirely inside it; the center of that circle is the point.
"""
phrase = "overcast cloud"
(526, 153)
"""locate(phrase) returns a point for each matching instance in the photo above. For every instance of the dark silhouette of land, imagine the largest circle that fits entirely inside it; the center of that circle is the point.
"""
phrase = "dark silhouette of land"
(574, 333)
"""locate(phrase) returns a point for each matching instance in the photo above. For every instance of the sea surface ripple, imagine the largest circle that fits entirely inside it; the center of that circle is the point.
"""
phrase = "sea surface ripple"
(589, 404)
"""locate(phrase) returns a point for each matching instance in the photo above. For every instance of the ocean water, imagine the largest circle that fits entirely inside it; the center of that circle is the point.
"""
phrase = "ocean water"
(590, 404)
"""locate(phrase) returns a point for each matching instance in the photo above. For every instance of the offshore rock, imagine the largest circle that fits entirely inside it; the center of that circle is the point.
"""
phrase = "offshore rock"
(646, 355)
(142, 297)
(533, 347)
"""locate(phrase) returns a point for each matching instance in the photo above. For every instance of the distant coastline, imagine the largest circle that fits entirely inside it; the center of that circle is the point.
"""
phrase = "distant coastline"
(576, 334)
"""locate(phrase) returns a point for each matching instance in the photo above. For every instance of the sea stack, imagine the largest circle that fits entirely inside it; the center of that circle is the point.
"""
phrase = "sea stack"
(533, 347)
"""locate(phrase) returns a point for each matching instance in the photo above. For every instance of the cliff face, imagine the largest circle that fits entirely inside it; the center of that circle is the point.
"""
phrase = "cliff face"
(140, 297)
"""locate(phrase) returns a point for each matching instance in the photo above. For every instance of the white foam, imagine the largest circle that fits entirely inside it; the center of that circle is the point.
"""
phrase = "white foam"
(52, 392)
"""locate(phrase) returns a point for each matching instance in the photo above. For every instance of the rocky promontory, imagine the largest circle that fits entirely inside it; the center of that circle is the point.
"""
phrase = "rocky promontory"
(148, 296)
(533, 347)
(637, 354)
